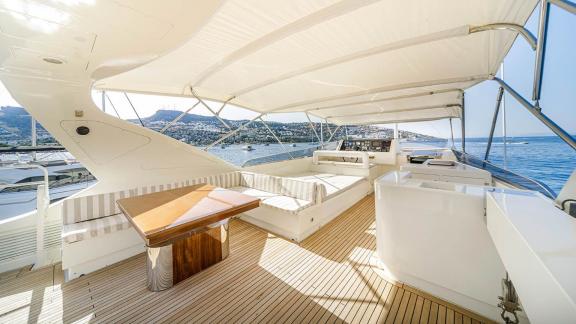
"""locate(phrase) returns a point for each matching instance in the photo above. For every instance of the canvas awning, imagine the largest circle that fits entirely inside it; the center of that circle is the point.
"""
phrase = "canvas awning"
(351, 61)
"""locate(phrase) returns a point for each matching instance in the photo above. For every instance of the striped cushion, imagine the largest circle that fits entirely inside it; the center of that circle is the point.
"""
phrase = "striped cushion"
(82, 209)
(298, 189)
(91, 207)
(246, 179)
(267, 183)
(322, 193)
(225, 180)
(84, 230)
(157, 188)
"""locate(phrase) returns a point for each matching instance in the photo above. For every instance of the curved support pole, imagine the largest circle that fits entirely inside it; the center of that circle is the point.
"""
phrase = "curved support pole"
(536, 111)
(565, 4)
(531, 39)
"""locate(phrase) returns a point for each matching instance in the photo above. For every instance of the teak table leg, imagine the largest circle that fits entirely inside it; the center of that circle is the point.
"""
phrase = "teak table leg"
(170, 264)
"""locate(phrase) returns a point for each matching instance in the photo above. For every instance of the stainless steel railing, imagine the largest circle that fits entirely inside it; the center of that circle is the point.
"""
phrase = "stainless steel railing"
(506, 176)
(42, 203)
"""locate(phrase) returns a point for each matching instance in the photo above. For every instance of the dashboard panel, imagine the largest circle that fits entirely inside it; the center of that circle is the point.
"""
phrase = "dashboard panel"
(365, 145)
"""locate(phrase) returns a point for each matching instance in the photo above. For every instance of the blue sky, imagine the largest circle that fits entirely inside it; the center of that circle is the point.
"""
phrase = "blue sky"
(558, 92)
(558, 100)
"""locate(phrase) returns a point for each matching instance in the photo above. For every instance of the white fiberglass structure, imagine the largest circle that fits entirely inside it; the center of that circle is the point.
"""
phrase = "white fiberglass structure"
(348, 62)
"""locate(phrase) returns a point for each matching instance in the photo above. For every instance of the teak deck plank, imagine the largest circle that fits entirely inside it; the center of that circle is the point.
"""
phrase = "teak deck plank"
(327, 278)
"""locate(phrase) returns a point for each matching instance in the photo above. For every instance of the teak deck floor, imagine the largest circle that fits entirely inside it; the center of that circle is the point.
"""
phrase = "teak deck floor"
(326, 279)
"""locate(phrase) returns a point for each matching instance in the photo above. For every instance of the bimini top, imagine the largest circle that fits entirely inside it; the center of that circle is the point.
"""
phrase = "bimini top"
(350, 61)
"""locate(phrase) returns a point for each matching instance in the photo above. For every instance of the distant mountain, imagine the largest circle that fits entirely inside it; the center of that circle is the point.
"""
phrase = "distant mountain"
(15, 120)
(169, 115)
(15, 126)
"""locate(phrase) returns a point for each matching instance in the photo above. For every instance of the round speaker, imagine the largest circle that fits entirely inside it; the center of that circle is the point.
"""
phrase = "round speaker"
(82, 130)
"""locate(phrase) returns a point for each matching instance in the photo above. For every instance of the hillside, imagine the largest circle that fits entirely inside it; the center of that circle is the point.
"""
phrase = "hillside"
(203, 130)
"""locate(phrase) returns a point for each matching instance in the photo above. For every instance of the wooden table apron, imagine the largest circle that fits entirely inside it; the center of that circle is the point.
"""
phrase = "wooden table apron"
(185, 229)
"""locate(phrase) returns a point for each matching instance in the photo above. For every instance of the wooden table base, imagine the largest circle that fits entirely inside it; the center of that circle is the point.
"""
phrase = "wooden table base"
(170, 264)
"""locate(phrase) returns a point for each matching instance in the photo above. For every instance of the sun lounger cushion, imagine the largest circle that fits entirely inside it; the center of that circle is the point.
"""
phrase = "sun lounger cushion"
(284, 203)
(254, 192)
(288, 204)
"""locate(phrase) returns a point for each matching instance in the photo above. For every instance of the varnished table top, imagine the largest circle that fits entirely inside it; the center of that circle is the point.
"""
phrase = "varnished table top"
(165, 216)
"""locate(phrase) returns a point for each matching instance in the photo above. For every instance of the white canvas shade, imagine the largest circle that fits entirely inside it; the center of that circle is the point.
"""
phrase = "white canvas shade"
(286, 56)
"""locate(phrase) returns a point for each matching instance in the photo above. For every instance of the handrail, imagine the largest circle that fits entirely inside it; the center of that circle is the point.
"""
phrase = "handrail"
(506, 176)
(282, 156)
(42, 203)
(364, 164)
(27, 166)
(17, 185)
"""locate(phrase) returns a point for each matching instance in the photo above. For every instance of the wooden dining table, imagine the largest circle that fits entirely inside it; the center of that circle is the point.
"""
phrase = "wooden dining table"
(185, 229)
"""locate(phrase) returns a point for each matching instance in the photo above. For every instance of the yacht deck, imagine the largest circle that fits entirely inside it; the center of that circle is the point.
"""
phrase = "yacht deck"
(327, 278)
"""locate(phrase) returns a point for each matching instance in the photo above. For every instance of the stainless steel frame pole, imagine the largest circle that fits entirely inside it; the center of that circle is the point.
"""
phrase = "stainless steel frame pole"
(536, 111)
(172, 122)
(241, 127)
(277, 139)
(210, 109)
(540, 50)
(34, 136)
(313, 127)
(463, 123)
(566, 5)
(103, 101)
(494, 120)
(451, 133)
(113, 107)
(334, 133)
(321, 135)
(133, 108)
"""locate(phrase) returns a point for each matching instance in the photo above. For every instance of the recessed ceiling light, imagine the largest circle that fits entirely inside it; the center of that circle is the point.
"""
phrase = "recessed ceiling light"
(53, 60)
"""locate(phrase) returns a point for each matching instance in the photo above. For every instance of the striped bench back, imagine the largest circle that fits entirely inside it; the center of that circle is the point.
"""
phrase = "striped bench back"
(86, 208)
(81, 209)
(299, 189)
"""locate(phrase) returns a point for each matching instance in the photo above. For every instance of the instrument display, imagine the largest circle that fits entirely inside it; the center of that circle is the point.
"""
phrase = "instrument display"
(365, 145)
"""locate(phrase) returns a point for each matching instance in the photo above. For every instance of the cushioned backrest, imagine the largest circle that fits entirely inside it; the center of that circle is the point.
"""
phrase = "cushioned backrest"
(246, 179)
(321, 192)
(81, 209)
(156, 188)
(97, 206)
(298, 189)
(267, 183)
(225, 180)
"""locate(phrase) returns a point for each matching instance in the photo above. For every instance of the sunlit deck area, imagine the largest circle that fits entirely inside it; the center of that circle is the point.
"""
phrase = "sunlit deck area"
(328, 278)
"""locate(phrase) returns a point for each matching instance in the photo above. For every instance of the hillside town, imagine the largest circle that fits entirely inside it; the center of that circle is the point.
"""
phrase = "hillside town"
(200, 130)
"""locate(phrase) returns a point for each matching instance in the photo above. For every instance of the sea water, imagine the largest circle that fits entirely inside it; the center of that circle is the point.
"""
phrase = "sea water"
(544, 158)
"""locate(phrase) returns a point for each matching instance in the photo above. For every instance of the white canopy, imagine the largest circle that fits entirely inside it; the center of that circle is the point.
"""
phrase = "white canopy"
(351, 61)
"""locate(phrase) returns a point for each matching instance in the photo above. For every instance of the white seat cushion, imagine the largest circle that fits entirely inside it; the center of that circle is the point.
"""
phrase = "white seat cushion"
(254, 192)
(334, 183)
(285, 203)
(84, 230)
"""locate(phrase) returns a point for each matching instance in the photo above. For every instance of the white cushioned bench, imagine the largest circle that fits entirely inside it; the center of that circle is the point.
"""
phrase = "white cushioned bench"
(335, 184)
(288, 195)
(92, 216)
(95, 233)
(302, 210)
